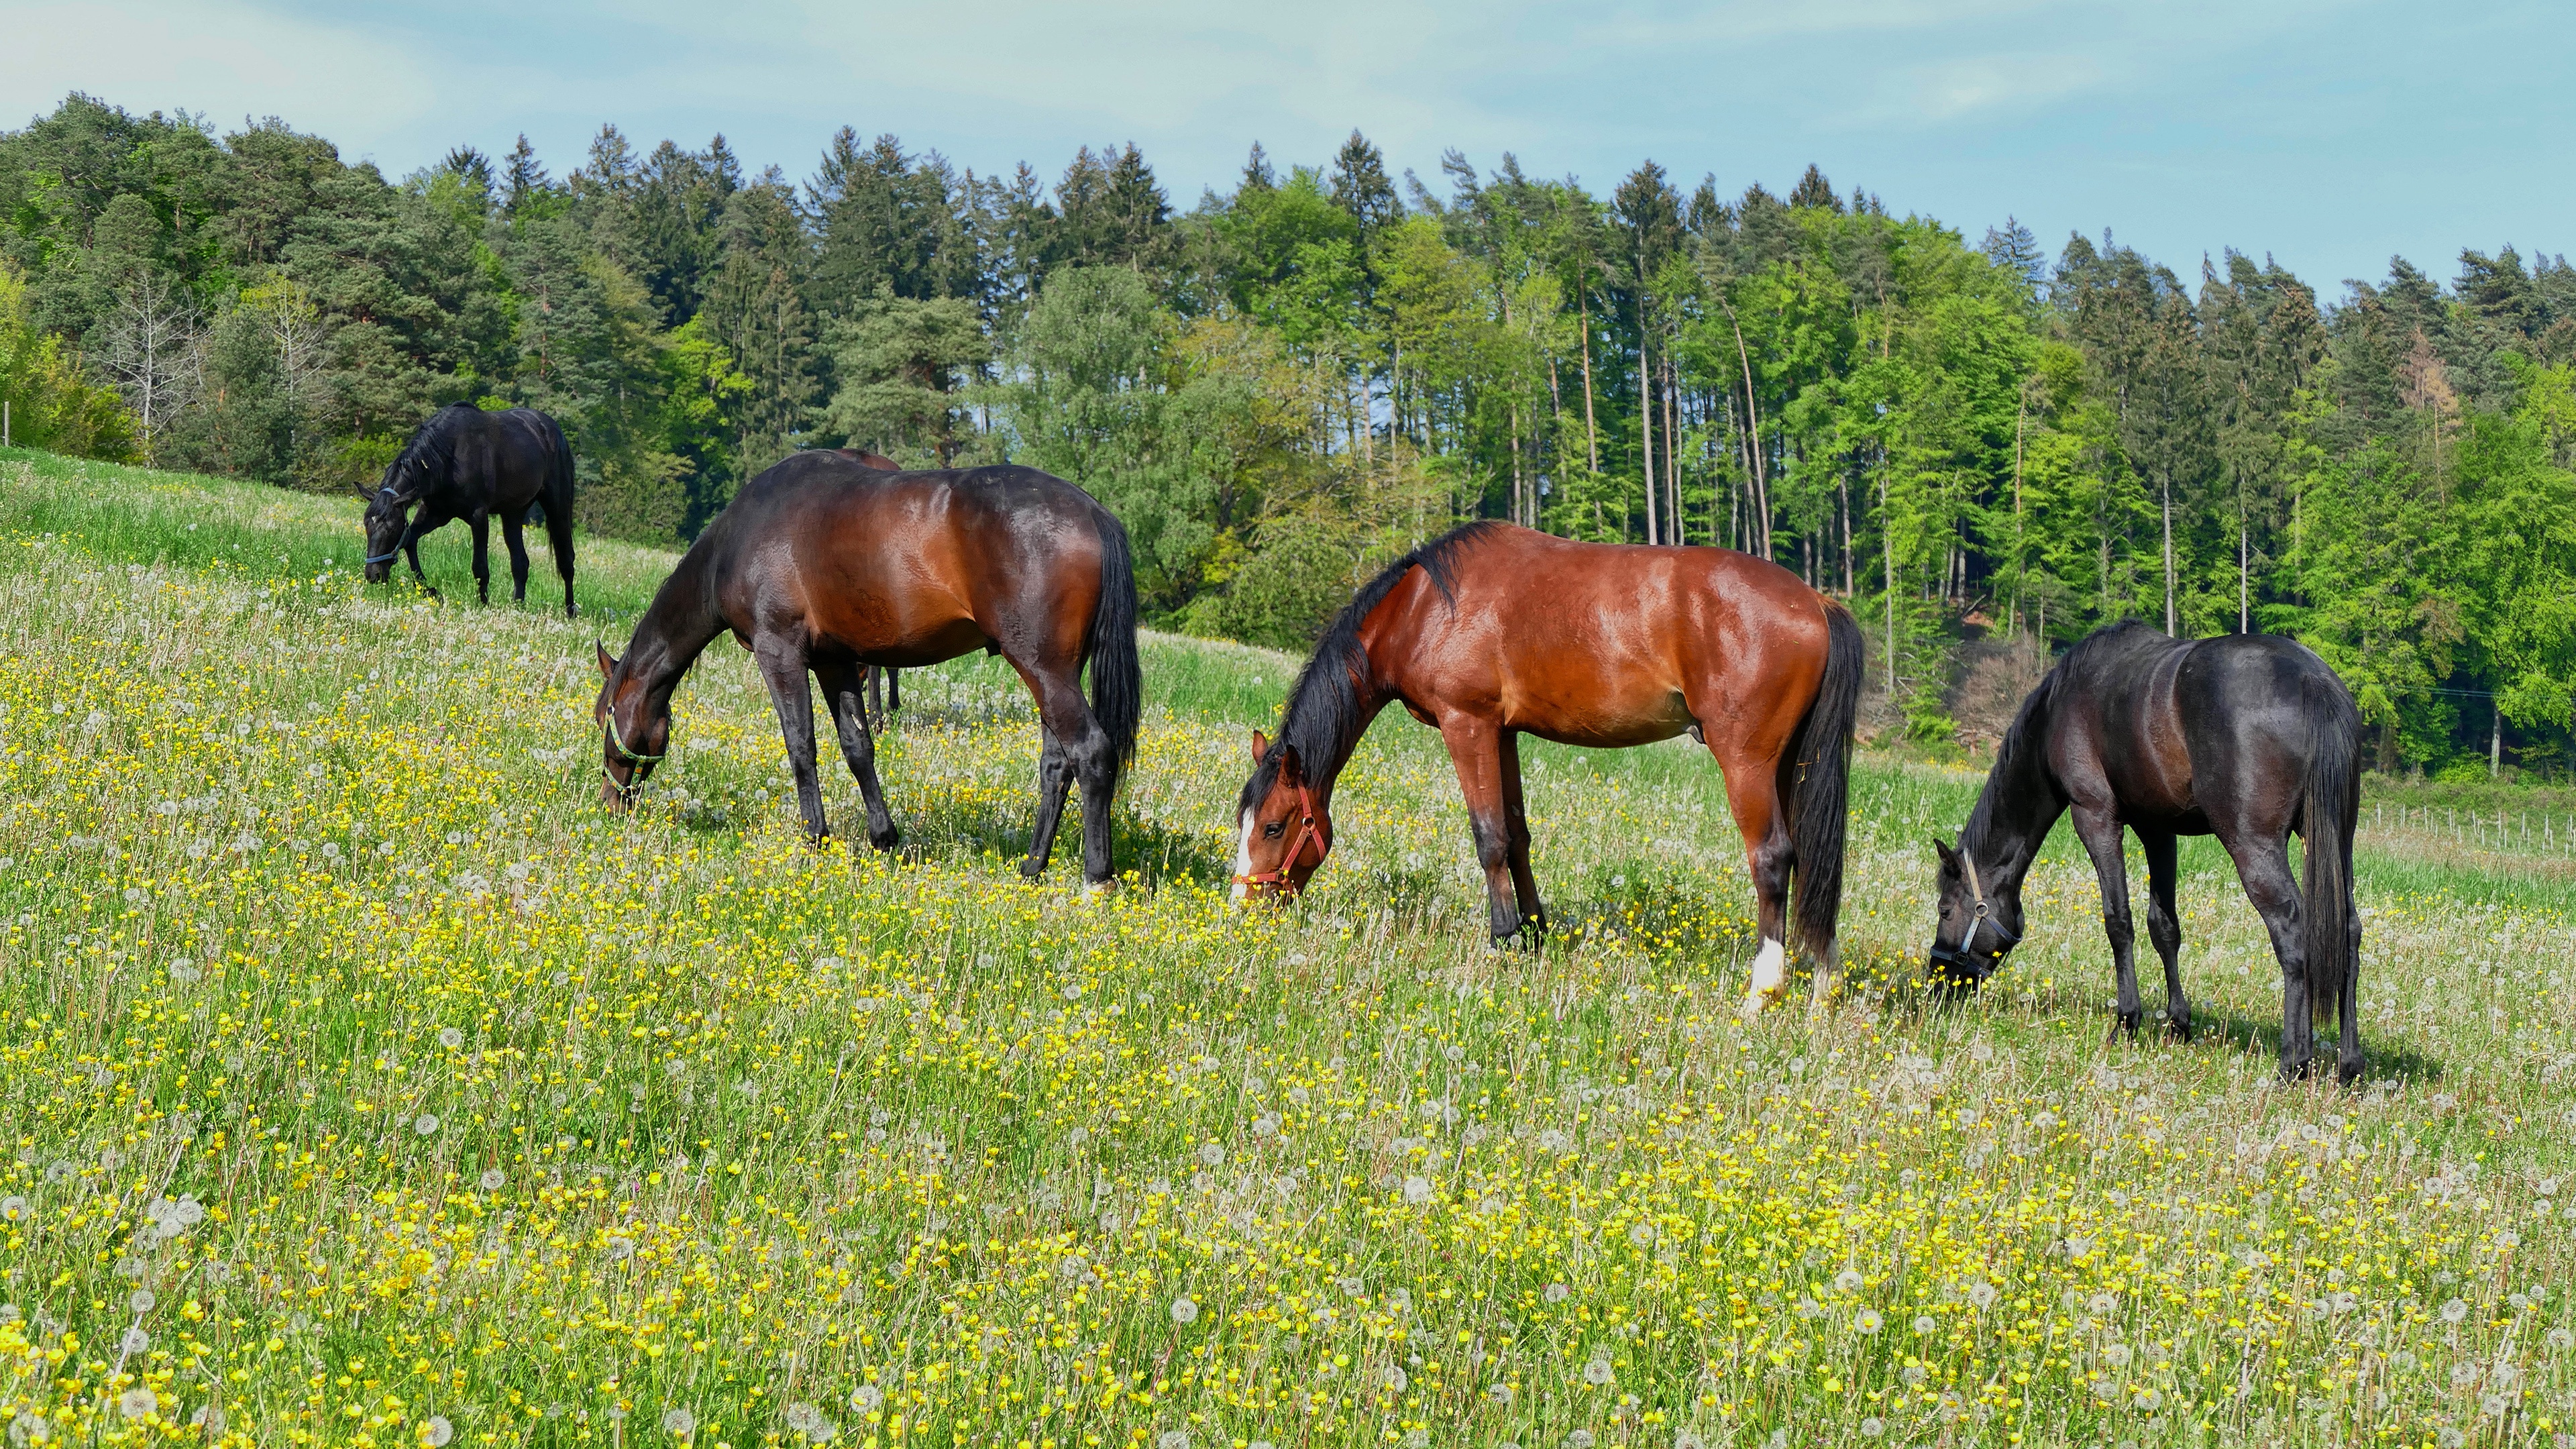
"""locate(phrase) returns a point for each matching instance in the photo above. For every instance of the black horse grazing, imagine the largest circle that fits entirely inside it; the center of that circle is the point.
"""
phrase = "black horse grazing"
(814, 575)
(2246, 737)
(469, 464)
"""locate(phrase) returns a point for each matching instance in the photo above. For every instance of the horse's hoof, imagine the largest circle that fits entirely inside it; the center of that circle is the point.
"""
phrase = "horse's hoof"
(2126, 1024)
(887, 841)
(1032, 868)
(2179, 1029)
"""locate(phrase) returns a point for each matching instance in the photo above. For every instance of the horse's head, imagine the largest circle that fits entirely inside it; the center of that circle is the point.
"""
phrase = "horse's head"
(1980, 919)
(1283, 830)
(388, 515)
(634, 732)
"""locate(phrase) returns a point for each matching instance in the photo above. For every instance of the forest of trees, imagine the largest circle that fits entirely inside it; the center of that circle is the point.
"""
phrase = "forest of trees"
(1287, 383)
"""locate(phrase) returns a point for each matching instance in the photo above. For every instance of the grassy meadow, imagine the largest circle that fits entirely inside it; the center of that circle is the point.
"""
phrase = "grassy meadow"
(365, 1083)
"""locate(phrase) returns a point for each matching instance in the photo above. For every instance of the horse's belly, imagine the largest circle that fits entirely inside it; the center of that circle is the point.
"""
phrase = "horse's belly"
(1602, 719)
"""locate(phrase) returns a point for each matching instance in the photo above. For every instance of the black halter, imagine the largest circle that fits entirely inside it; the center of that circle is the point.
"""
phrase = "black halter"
(1963, 961)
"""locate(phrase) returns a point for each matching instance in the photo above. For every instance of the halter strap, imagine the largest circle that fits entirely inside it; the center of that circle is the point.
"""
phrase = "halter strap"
(633, 781)
(1307, 831)
(1983, 920)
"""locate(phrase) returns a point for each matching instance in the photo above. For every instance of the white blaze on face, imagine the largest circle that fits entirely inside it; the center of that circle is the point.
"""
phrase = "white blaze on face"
(1770, 973)
(1243, 858)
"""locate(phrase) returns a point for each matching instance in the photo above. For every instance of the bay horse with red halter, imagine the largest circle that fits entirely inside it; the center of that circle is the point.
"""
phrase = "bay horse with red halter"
(1493, 631)
(814, 575)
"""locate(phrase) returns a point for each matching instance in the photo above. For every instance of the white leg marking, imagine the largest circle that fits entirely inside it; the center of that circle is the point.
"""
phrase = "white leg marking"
(1243, 858)
(1770, 973)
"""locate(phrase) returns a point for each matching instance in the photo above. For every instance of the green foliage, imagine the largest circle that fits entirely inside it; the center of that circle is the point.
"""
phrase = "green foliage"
(1321, 367)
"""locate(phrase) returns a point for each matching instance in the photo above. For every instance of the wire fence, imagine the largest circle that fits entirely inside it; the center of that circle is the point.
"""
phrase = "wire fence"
(2540, 833)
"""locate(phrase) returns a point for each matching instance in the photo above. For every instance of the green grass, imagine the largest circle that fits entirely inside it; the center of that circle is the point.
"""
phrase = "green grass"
(512, 1121)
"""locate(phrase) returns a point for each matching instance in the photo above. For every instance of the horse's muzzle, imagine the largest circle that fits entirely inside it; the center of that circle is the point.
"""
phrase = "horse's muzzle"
(1952, 968)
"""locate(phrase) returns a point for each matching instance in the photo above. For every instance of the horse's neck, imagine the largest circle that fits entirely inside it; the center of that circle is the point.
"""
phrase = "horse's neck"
(2021, 802)
(1324, 752)
(678, 626)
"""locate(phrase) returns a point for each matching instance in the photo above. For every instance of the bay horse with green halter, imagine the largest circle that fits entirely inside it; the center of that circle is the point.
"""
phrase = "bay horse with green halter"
(823, 565)
(1493, 631)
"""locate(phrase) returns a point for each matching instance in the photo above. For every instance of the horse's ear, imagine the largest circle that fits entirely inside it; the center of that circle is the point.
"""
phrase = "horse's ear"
(1949, 856)
(1260, 748)
(607, 661)
(1291, 769)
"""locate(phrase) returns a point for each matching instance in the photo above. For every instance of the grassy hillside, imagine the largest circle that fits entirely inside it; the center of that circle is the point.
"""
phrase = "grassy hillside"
(368, 1084)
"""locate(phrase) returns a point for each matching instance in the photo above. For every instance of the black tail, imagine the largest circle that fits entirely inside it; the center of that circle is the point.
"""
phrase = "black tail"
(558, 496)
(1818, 795)
(1117, 680)
(2326, 818)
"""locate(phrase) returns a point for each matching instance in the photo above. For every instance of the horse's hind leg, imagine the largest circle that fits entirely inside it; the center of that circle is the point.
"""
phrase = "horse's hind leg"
(481, 524)
(1753, 794)
(1076, 748)
(782, 668)
(1055, 777)
(518, 546)
(1476, 750)
(2164, 927)
(559, 540)
(1516, 820)
(2263, 866)
(849, 711)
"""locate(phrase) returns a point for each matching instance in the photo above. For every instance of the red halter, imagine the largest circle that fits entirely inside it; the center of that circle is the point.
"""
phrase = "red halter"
(1307, 831)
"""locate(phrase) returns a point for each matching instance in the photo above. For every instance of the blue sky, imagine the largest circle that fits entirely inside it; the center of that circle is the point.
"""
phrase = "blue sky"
(2329, 133)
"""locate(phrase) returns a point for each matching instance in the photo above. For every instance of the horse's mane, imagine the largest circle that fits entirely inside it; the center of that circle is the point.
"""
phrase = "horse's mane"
(432, 445)
(2028, 732)
(1324, 720)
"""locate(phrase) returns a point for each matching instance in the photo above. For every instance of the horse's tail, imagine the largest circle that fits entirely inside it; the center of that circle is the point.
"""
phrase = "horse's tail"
(1117, 680)
(559, 487)
(2326, 819)
(1818, 800)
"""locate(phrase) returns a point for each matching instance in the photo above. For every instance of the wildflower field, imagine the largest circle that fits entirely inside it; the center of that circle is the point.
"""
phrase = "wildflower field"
(365, 1083)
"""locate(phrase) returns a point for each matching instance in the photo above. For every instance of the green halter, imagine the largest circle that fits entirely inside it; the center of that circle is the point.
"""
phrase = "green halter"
(634, 782)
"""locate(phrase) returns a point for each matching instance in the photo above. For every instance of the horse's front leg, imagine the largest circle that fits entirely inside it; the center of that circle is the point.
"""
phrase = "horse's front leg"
(841, 692)
(782, 668)
(1476, 749)
(2164, 926)
(2100, 832)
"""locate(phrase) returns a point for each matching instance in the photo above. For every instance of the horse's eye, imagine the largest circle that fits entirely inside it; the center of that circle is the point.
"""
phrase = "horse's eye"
(1271, 830)
(1945, 910)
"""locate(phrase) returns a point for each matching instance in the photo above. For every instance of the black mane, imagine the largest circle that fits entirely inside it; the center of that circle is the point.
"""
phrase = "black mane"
(2028, 732)
(432, 446)
(1323, 721)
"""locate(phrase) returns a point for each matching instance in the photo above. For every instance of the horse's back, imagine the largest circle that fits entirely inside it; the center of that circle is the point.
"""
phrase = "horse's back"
(910, 568)
(1611, 644)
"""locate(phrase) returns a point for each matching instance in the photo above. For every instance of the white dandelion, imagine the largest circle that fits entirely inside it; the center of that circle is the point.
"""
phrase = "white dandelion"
(137, 1403)
(437, 1431)
(1185, 1310)
(1598, 1372)
(1417, 1191)
(2455, 1310)
(1868, 1321)
(140, 1300)
(1556, 1293)
(493, 1178)
(450, 1038)
(426, 1124)
(680, 1422)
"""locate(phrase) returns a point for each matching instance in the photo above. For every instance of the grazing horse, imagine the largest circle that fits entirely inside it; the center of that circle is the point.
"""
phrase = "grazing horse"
(813, 575)
(469, 464)
(2246, 737)
(1493, 631)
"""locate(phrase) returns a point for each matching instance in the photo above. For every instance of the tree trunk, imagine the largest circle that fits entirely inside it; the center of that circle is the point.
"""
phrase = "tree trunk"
(1672, 456)
(2165, 483)
(2495, 745)
(1753, 416)
(1646, 439)
(1591, 432)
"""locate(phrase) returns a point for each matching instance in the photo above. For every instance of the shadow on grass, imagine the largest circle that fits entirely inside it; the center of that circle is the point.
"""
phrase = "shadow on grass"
(1914, 1001)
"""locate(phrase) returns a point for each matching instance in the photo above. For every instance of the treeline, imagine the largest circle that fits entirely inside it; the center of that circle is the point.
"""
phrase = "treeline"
(1286, 383)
